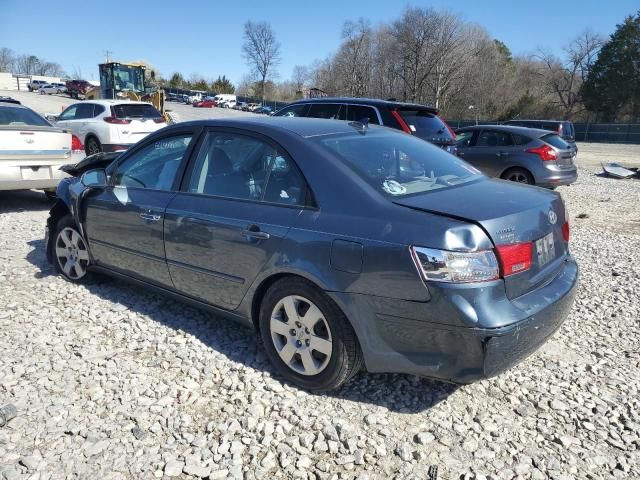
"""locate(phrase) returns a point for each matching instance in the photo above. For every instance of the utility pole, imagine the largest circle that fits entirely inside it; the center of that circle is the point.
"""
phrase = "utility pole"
(107, 54)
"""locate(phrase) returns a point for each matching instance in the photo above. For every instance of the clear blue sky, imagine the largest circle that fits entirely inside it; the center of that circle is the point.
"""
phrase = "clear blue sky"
(205, 36)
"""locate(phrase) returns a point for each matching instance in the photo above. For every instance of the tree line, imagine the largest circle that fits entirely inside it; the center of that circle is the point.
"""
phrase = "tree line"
(27, 64)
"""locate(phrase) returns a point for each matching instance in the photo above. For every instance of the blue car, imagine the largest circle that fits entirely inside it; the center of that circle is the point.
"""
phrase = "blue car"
(343, 245)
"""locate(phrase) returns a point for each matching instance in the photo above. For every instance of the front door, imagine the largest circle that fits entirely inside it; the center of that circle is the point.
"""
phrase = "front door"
(229, 219)
(124, 221)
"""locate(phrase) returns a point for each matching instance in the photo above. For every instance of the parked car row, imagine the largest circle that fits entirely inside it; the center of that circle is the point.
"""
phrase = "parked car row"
(534, 156)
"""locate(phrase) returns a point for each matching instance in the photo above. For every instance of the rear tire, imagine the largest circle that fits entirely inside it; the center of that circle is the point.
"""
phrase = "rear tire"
(519, 175)
(306, 336)
(51, 195)
(70, 254)
(92, 146)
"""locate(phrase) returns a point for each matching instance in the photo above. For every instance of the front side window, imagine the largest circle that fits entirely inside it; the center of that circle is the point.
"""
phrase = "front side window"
(396, 164)
(69, 113)
(155, 165)
(239, 166)
(493, 138)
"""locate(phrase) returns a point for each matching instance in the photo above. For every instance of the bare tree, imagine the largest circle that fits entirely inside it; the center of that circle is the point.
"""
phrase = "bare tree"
(261, 50)
(299, 77)
(354, 57)
(7, 59)
(563, 77)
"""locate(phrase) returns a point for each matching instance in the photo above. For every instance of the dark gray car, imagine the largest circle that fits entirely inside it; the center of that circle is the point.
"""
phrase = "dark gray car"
(525, 155)
(343, 245)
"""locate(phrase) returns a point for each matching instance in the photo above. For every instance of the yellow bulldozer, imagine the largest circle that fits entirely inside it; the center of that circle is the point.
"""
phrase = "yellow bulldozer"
(127, 80)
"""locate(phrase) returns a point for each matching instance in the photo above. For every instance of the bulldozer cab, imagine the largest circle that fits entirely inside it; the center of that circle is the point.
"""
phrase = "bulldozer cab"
(118, 79)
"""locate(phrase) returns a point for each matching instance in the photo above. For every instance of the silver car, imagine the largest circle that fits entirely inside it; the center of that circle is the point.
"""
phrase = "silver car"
(525, 155)
(32, 150)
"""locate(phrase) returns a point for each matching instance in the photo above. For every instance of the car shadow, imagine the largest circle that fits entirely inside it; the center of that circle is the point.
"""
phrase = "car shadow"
(395, 392)
(21, 200)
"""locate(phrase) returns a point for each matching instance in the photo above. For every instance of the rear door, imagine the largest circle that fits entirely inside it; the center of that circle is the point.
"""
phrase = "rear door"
(334, 111)
(124, 221)
(239, 199)
(491, 152)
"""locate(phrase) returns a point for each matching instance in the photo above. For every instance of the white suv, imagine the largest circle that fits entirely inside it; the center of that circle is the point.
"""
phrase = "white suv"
(110, 125)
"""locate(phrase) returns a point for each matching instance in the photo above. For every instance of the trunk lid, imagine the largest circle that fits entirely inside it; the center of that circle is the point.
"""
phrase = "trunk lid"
(509, 213)
(28, 145)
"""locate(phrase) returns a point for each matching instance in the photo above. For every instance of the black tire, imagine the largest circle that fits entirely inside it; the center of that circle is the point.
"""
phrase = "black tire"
(70, 274)
(519, 175)
(346, 356)
(92, 146)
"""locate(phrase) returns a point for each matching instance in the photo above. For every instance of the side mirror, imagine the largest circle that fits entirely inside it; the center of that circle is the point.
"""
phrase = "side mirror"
(51, 117)
(94, 178)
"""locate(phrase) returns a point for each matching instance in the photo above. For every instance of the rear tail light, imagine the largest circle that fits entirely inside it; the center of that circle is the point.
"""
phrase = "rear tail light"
(76, 144)
(545, 152)
(159, 120)
(514, 258)
(566, 231)
(455, 267)
(118, 121)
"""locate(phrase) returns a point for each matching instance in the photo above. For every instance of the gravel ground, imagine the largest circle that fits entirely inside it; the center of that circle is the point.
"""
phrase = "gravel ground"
(114, 382)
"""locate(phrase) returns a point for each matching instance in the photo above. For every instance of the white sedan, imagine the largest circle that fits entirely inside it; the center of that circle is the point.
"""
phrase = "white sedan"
(32, 150)
(49, 89)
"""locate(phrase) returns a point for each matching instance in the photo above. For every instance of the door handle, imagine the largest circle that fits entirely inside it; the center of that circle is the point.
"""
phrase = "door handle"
(254, 232)
(150, 217)
(460, 154)
(503, 154)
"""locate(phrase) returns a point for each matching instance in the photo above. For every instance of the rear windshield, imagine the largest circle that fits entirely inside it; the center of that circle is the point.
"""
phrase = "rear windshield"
(426, 125)
(396, 164)
(135, 110)
(21, 116)
(555, 141)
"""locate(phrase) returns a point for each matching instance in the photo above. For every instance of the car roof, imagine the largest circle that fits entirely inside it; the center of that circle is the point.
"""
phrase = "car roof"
(304, 127)
(376, 102)
(507, 128)
(11, 101)
(539, 121)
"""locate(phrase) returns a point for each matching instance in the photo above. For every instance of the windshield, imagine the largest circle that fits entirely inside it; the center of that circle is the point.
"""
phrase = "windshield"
(128, 78)
(426, 125)
(21, 116)
(396, 164)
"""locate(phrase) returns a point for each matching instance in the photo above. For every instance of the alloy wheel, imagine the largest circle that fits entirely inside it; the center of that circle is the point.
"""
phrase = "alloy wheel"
(301, 335)
(518, 177)
(71, 253)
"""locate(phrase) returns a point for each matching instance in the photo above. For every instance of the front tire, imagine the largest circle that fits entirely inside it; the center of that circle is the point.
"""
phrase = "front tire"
(70, 253)
(306, 336)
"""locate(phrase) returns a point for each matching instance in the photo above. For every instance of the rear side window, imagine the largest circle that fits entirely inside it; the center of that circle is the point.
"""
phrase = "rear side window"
(355, 113)
(520, 139)
(465, 138)
(135, 110)
(425, 124)
(299, 110)
(21, 116)
(85, 110)
(325, 110)
(98, 109)
(555, 141)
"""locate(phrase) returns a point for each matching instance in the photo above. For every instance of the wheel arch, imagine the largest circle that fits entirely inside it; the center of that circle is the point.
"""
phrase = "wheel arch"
(517, 167)
(59, 210)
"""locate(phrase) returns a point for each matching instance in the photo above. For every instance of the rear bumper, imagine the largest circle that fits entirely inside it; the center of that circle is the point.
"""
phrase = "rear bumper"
(405, 337)
(20, 177)
(553, 176)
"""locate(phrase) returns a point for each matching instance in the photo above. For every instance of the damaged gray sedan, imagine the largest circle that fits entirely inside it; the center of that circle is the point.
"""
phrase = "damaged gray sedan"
(344, 245)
